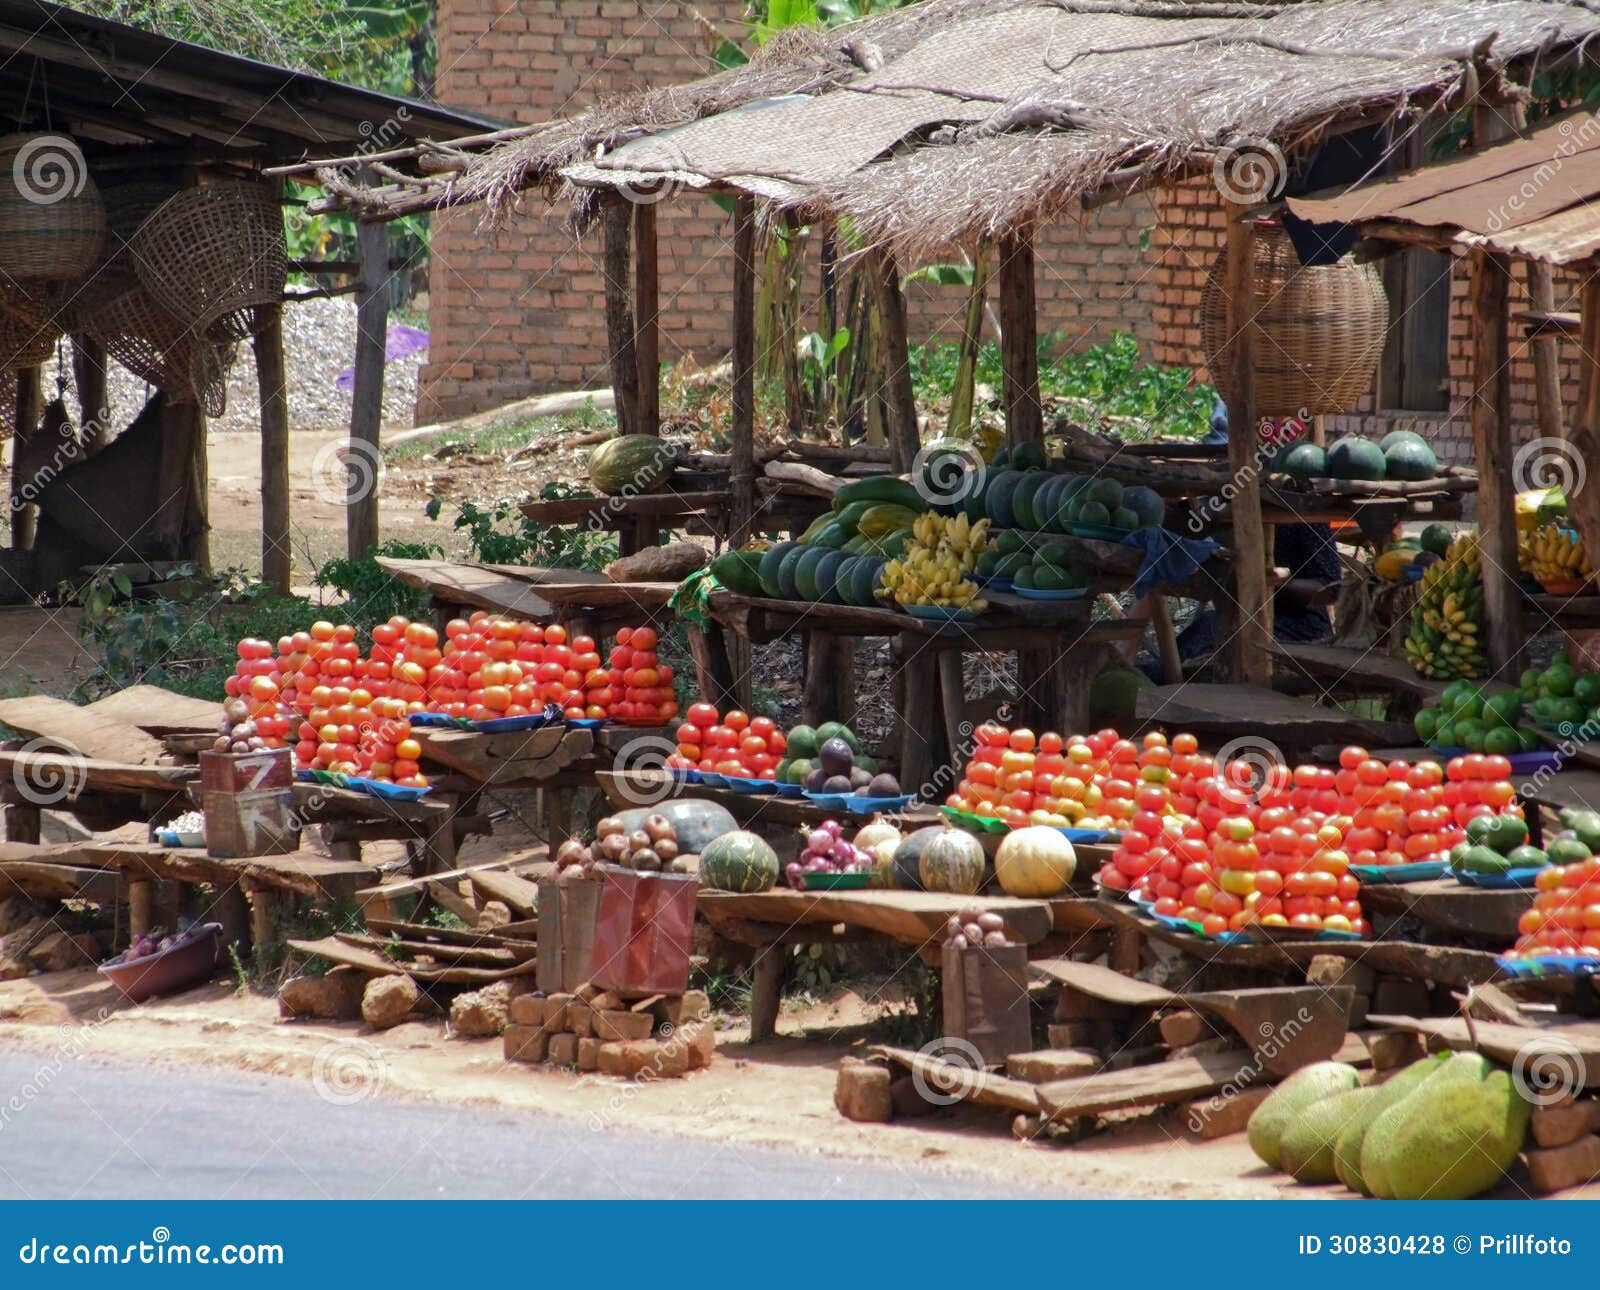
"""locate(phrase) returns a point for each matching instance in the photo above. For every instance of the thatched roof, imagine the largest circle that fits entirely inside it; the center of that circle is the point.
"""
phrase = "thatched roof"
(952, 120)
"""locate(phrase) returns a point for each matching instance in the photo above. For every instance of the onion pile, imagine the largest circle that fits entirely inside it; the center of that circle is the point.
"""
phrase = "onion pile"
(826, 851)
(237, 733)
(651, 848)
(973, 927)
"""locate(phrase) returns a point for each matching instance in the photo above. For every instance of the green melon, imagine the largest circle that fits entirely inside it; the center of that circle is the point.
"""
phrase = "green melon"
(1356, 458)
(1047, 502)
(805, 572)
(1028, 456)
(739, 571)
(1124, 518)
(842, 577)
(833, 536)
(1304, 461)
(1106, 491)
(637, 463)
(1093, 513)
(1022, 500)
(739, 861)
(1148, 505)
(802, 741)
(1400, 436)
(788, 587)
(771, 562)
(997, 497)
(1435, 538)
(1410, 460)
(826, 575)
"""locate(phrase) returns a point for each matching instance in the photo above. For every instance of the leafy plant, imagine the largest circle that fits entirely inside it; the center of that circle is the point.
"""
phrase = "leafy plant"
(499, 533)
(372, 592)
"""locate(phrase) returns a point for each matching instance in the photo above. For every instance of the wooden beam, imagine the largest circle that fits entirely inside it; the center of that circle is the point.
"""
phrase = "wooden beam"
(276, 557)
(743, 468)
(89, 374)
(24, 516)
(1583, 500)
(1019, 341)
(1249, 617)
(1489, 292)
(616, 227)
(647, 317)
(362, 463)
(904, 439)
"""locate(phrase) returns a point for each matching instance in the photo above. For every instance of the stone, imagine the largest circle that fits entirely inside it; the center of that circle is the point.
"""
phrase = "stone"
(610, 1025)
(1555, 1126)
(1395, 997)
(335, 996)
(495, 913)
(388, 1000)
(525, 1043)
(906, 1098)
(671, 563)
(1075, 1005)
(528, 1010)
(1080, 1034)
(1222, 1113)
(1179, 1029)
(626, 1058)
(603, 1000)
(589, 1054)
(20, 912)
(672, 1058)
(701, 1041)
(861, 1091)
(63, 951)
(580, 1020)
(1557, 1168)
(691, 1005)
(555, 1012)
(1392, 1048)
(563, 1050)
(1052, 1063)
(478, 1014)
(1329, 970)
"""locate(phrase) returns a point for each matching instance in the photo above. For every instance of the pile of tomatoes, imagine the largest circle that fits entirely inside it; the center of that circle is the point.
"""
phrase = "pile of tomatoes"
(1403, 813)
(493, 666)
(1565, 918)
(736, 744)
(640, 693)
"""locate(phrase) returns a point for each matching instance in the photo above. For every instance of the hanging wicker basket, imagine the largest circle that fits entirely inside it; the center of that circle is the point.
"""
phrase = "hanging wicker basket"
(26, 340)
(1317, 333)
(127, 207)
(52, 221)
(8, 404)
(161, 350)
(217, 256)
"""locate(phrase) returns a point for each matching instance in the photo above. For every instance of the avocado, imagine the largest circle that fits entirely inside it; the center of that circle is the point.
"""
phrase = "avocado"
(1585, 824)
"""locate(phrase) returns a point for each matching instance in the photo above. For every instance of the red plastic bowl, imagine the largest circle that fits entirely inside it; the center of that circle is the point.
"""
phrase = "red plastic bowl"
(168, 971)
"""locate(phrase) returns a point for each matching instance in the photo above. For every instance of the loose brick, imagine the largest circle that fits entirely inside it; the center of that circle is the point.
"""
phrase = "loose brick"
(861, 1091)
(1179, 1029)
(555, 1012)
(1556, 1126)
(1051, 1064)
(563, 1050)
(589, 1054)
(691, 1005)
(1556, 1168)
(525, 1043)
(626, 1058)
(1218, 1116)
(1394, 1048)
(612, 1025)
(528, 1010)
(580, 1019)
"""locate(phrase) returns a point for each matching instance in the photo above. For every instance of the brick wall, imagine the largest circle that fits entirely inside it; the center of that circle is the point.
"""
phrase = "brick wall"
(521, 312)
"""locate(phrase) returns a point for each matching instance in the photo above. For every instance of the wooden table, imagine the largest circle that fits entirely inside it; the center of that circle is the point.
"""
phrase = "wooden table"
(638, 520)
(1479, 914)
(1218, 713)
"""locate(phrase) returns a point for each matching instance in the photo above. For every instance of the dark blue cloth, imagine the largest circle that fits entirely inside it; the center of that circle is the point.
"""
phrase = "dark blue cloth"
(1167, 557)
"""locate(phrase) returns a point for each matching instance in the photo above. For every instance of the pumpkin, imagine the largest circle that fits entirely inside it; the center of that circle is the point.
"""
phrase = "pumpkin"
(953, 861)
(1037, 861)
(695, 822)
(906, 862)
(631, 463)
(738, 861)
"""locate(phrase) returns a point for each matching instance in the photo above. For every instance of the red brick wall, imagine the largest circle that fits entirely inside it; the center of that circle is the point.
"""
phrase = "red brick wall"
(521, 312)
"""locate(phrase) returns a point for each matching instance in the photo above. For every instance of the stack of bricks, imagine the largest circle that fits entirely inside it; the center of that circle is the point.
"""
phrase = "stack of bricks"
(665, 1036)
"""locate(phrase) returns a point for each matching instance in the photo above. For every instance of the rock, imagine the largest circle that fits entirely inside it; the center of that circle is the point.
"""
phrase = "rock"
(1329, 970)
(62, 951)
(1051, 1064)
(1392, 1048)
(1556, 1126)
(1556, 1168)
(701, 1041)
(1180, 1029)
(334, 997)
(495, 913)
(479, 1014)
(671, 563)
(525, 1044)
(622, 1025)
(589, 1054)
(1219, 1115)
(600, 1000)
(862, 1091)
(18, 912)
(528, 1010)
(388, 1000)
(580, 1021)
(906, 1098)
(627, 1058)
(672, 1059)
(563, 1050)
(691, 1005)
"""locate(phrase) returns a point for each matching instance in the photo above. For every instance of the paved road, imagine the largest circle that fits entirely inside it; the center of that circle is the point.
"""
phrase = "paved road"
(93, 1129)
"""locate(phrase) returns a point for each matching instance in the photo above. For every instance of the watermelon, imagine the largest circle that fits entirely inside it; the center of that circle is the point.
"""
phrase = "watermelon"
(738, 861)
(1028, 456)
(1410, 459)
(1304, 461)
(879, 488)
(771, 562)
(805, 572)
(997, 497)
(826, 574)
(788, 587)
(1147, 505)
(637, 462)
(1400, 436)
(1022, 509)
(1356, 458)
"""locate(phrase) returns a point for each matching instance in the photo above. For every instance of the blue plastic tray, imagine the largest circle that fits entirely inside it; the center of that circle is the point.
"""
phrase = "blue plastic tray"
(1498, 881)
(1032, 593)
(1528, 763)
(791, 790)
(859, 805)
(684, 774)
(993, 584)
(587, 723)
(533, 721)
(1100, 532)
(371, 787)
(1550, 965)
(1088, 836)
(712, 778)
(1421, 871)
(736, 784)
(941, 613)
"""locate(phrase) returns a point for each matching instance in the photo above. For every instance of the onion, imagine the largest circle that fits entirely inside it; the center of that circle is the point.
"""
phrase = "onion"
(820, 841)
(959, 943)
(222, 744)
(647, 860)
(972, 932)
(991, 921)
(994, 938)
(611, 824)
(638, 840)
(667, 848)
(833, 828)
(658, 827)
(952, 927)
(614, 846)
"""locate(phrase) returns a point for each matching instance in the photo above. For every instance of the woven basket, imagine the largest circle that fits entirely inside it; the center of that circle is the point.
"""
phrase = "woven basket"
(26, 340)
(215, 255)
(161, 350)
(8, 404)
(1316, 333)
(127, 208)
(52, 221)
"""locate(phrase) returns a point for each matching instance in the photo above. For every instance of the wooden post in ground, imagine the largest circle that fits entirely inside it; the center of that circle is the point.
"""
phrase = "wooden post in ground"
(904, 440)
(647, 317)
(24, 515)
(1489, 292)
(1245, 625)
(742, 472)
(1583, 499)
(616, 230)
(1019, 341)
(276, 556)
(89, 373)
(363, 461)
(197, 512)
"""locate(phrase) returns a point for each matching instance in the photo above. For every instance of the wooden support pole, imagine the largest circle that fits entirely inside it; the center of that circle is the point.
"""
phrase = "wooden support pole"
(742, 473)
(616, 230)
(1248, 619)
(1019, 341)
(766, 989)
(89, 374)
(1546, 354)
(24, 515)
(1583, 499)
(197, 512)
(904, 439)
(1489, 292)
(647, 317)
(363, 460)
(276, 556)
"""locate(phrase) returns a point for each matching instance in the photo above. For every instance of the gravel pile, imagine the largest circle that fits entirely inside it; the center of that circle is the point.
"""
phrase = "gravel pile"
(319, 338)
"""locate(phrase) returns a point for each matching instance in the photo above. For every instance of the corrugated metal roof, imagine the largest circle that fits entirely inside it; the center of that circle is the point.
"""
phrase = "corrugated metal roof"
(1532, 196)
(65, 70)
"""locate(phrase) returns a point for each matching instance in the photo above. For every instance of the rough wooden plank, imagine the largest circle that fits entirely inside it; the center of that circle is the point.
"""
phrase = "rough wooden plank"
(277, 556)
(57, 880)
(1570, 1050)
(366, 401)
(1245, 621)
(1478, 912)
(370, 961)
(158, 711)
(1103, 983)
(85, 733)
(1155, 1085)
(517, 894)
(481, 956)
(962, 1083)
(305, 873)
(742, 469)
(911, 917)
(458, 584)
(90, 774)
(1490, 408)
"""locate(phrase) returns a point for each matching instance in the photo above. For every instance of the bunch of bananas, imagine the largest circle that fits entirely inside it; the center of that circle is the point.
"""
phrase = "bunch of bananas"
(1555, 555)
(1447, 624)
(932, 570)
